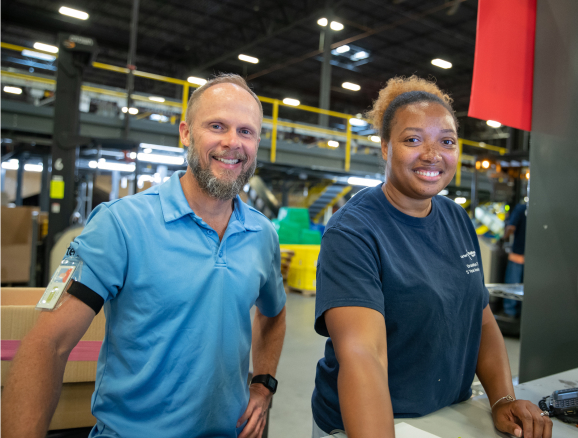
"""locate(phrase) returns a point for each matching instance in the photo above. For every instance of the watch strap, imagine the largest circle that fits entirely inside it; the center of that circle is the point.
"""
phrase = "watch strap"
(266, 380)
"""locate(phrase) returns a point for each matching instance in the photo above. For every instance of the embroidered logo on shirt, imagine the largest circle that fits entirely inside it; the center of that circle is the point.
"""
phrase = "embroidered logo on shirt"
(472, 267)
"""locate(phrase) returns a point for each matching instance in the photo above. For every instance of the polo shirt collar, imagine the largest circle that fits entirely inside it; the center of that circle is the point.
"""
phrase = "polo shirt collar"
(174, 205)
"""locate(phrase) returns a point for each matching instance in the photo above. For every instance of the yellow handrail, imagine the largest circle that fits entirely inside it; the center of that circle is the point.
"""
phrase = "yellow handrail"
(276, 103)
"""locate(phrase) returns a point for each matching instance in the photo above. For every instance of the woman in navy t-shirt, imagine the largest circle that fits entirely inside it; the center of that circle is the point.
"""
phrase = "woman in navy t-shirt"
(400, 288)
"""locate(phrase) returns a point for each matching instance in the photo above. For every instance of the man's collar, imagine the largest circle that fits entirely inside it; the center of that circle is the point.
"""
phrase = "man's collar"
(174, 204)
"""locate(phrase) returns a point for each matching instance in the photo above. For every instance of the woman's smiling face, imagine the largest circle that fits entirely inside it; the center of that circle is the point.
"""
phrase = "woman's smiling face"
(422, 152)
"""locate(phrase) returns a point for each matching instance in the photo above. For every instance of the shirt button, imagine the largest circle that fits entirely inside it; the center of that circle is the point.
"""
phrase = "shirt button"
(221, 254)
(208, 231)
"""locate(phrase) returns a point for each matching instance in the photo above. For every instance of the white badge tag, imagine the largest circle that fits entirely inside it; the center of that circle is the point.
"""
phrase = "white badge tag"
(58, 284)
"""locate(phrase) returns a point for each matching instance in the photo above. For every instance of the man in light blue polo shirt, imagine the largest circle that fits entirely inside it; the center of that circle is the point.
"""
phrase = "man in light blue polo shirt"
(178, 268)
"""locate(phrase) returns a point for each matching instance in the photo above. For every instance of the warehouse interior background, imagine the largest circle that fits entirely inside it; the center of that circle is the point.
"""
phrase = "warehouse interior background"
(317, 66)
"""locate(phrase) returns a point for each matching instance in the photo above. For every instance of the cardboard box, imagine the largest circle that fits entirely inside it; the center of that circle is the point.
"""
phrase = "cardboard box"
(16, 244)
(18, 316)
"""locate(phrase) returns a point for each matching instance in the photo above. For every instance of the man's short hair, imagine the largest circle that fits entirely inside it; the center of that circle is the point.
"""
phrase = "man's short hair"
(221, 78)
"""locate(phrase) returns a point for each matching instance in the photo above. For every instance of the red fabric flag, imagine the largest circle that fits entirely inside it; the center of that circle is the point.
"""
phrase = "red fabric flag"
(504, 62)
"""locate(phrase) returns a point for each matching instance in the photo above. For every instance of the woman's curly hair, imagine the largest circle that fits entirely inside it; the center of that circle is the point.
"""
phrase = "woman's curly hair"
(399, 92)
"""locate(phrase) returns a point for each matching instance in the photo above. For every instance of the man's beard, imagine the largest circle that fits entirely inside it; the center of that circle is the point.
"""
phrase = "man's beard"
(222, 189)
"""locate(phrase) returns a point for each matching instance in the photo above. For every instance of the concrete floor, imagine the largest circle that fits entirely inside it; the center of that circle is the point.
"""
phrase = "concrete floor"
(291, 412)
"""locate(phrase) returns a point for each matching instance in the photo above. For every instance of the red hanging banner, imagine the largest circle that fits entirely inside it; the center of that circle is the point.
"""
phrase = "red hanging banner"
(504, 62)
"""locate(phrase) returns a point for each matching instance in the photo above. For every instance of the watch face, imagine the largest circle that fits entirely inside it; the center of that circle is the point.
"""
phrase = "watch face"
(272, 383)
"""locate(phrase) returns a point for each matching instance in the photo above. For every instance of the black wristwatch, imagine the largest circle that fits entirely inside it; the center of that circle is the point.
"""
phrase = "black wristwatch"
(266, 379)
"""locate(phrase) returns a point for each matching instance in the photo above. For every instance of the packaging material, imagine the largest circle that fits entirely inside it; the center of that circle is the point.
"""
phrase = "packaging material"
(16, 244)
(18, 316)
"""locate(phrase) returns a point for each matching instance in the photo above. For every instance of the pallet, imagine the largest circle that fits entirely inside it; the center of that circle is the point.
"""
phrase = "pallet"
(304, 292)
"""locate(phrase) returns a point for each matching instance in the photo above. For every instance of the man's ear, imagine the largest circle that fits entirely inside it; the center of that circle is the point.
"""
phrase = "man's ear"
(185, 133)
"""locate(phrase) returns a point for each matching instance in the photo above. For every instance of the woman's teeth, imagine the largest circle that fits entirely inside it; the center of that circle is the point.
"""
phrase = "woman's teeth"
(420, 172)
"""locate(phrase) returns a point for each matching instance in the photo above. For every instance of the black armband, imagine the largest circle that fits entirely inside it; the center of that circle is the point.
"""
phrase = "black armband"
(86, 295)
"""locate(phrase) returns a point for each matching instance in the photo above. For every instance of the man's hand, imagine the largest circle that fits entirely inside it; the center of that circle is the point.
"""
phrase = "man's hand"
(521, 418)
(256, 412)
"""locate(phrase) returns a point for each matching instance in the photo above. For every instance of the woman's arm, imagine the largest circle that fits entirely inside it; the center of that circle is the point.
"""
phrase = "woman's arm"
(359, 338)
(493, 370)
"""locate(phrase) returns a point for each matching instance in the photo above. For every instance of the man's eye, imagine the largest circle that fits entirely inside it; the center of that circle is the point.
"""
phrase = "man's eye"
(215, 126)
(245, 131)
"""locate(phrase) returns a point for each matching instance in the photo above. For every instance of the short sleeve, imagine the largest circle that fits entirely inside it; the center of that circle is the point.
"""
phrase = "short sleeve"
(516, 215)
(348, 275)
(272, 296)
(103, 251)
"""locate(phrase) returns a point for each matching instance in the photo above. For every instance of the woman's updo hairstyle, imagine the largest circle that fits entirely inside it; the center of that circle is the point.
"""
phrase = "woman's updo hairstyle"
(399, 92)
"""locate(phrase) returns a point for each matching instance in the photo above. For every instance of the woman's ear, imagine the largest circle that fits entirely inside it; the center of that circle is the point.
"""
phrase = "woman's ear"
(384, 145)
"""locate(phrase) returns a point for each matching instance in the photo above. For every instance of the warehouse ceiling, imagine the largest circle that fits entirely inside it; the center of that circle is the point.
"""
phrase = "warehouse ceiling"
(180, 38)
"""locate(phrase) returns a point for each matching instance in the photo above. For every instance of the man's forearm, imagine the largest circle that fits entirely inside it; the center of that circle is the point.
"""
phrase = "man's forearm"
(32, 390)
(364, 397)
(268, 336)
(493, 367)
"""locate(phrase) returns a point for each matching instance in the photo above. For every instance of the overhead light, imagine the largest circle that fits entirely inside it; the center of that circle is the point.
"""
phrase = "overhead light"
(33, 167)
(357, 122)
(38, 55)
(147, 150)
(108, 165)
(526, 199)
(342, 49)
(441, 63)
(322, 22)
(335, 25)
(159, 118)
(333, 143)
(292, 102)
(73, 13)
(460, 200)
(527, 175)
(132, 156)
(493, 123)
(248, 58)
(10, 164)
(351, 86)
(444, 192)
(375, 138)
(45, 47)
(161, 147)
(367, 182)
(161, 159)
(198, 81)
(131, 110)
(485, 164)
(12, 90)
(360, 55)
(157, 99)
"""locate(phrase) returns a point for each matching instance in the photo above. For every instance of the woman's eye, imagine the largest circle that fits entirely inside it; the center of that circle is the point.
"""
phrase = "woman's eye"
(412, 140)
(448, 142)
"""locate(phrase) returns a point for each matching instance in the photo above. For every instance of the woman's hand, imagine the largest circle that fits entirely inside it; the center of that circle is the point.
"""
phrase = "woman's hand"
(521, 418)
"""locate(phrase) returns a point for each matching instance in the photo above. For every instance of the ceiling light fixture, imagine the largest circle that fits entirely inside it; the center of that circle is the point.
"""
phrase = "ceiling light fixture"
(351, 86)
(360, 55)
(367, 182)
(38, 55)
(73, 13)
(335, 25)
(157, 99)
(375, 138)
(161, 159)
(292, 102)
(333, 144)
(197, 81)
(441, 63)
(45, 47)
(342, 49)
(322, 22)
(12, 90)
(248, 58)
(493, 123)
(485, 164)
(106, 165)
(357, 122)
(460, 200)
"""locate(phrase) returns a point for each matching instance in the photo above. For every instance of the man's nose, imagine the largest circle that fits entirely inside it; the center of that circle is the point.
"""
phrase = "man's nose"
(232, 139)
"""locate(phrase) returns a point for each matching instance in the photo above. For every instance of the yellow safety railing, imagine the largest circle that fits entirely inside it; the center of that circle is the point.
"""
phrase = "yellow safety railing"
(348, 134)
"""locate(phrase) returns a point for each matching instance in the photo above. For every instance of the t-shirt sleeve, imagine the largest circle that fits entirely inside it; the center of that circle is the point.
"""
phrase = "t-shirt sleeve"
(516, 215)
(272, 296)
(103, 251)
(348, 275)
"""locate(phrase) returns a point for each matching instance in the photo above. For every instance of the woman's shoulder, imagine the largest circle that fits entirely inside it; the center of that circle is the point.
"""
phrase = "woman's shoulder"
(358, 210)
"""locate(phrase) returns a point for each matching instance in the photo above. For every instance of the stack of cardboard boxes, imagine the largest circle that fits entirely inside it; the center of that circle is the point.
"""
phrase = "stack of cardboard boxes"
(18, 317)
